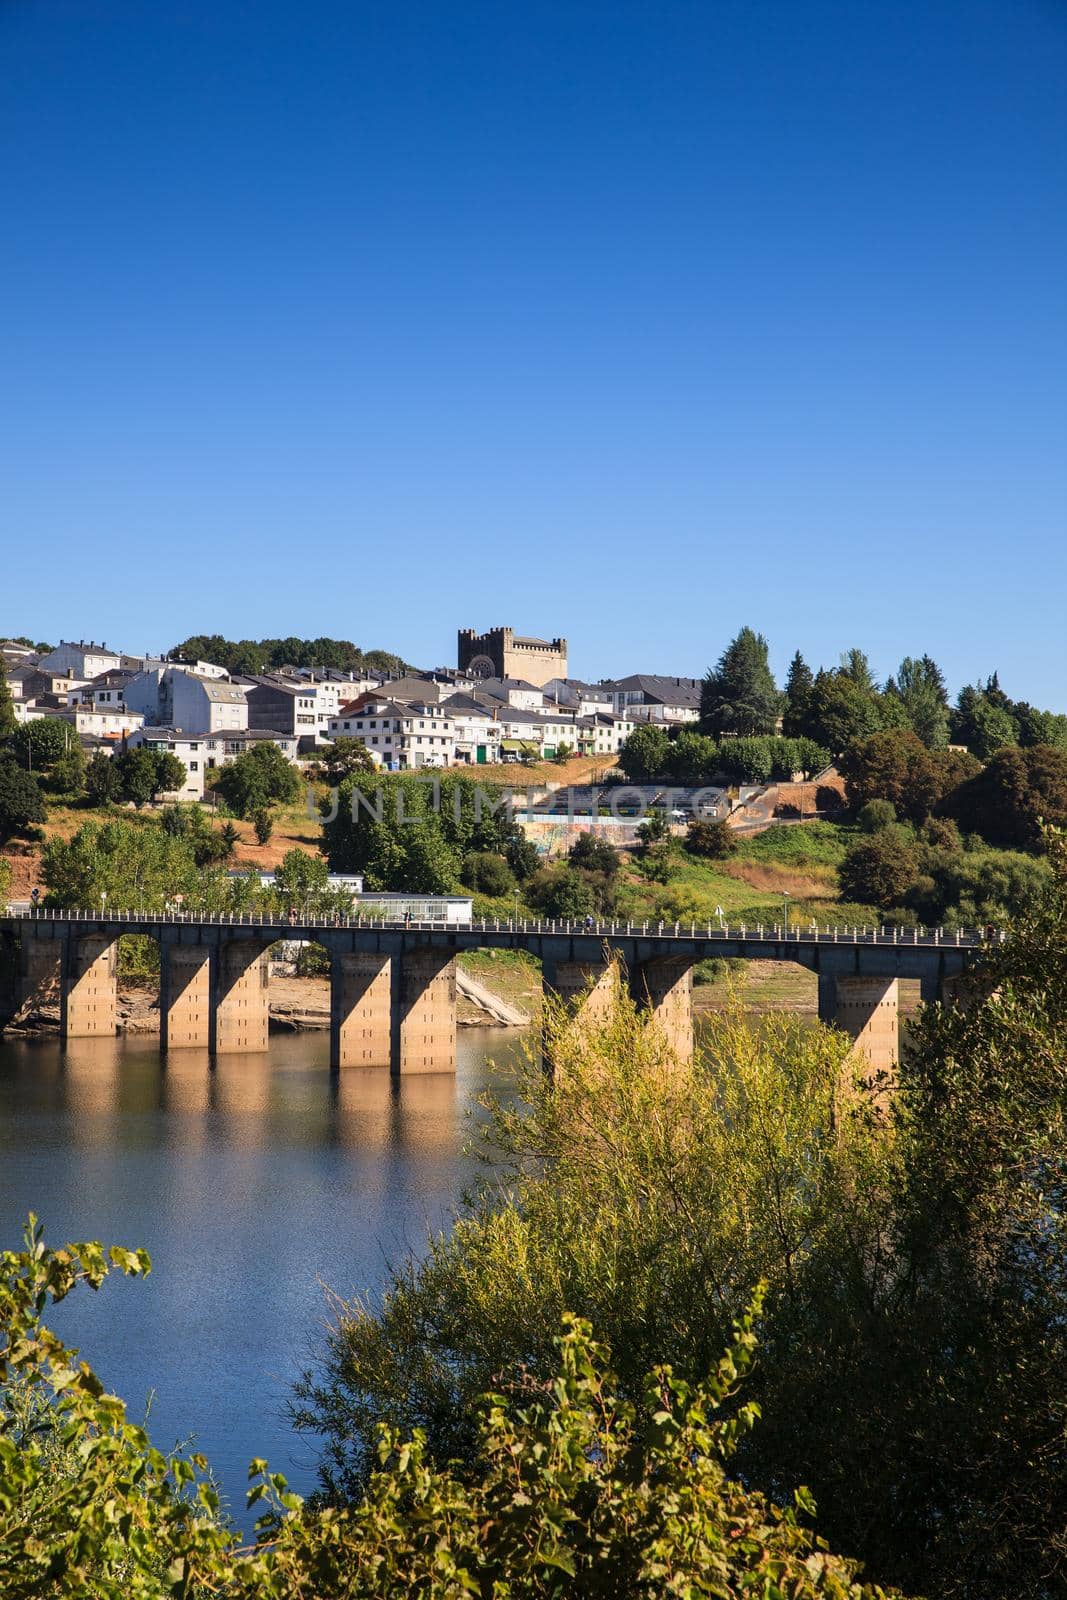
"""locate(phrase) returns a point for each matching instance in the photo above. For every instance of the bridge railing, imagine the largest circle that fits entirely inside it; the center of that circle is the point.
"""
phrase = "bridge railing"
(606, 928)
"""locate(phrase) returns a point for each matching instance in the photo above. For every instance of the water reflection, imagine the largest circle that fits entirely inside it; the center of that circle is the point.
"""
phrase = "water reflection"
(252, 1182)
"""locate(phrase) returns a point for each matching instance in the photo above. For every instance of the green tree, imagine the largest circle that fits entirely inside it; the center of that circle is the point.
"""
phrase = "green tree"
(876, 815)
(645, 754)
(145, 773)
(521, 855)
(560, 892)
(68, 774)
(635, 1188)
(344, 757)
(485, 872)
(982, 720)
(258, 777)
(842, 708)
(403, 832)
(799, 683)
(1040, 727)
(920, 688)
(7, 707)
(21, 805)
(880, 869)
(37, 745)
(691, 757)
(590, 853)
(1013, 795)
(857, 669)
(927, 1375)
(103, 782)
(747, 760)
(574, 1495)
(263, 823)
(136, 866)
(739, 696)
(301, 875)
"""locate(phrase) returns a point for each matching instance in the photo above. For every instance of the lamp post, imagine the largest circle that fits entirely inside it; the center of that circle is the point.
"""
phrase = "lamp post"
(785, 923)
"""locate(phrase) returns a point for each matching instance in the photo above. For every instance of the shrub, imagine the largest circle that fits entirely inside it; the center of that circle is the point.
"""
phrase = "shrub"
(487, 873)
(876, 815)
(560, 892)
(573, 1494)
(880, 870)
(715, 840)
(263, 823)
(594, 854)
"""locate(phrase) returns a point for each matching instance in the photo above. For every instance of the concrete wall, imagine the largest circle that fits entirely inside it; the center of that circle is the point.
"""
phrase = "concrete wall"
(185, 996)
(241, 1010)
(361, 1002)
(89, 991)
(424, 1015)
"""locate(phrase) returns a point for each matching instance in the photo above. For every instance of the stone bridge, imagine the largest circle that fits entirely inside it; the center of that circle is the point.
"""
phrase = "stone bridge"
(393, 984)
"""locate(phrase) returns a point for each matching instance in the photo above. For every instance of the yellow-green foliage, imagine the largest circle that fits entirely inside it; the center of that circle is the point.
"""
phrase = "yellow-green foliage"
(574, 1494)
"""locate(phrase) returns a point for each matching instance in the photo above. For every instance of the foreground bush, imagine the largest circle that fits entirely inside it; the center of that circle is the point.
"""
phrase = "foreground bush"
(575, 1495)
(913, 1366)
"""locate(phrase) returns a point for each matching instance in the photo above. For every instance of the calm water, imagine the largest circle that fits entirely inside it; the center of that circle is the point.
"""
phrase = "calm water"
(252, 1185)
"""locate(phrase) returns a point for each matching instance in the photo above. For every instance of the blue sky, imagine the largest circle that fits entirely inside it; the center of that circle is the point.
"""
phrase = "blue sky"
(633, 322)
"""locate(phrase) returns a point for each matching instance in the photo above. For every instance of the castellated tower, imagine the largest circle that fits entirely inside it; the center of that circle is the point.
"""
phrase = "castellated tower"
(501, 653)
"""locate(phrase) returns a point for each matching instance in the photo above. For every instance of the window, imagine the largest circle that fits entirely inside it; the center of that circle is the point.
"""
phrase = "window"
(194, 766)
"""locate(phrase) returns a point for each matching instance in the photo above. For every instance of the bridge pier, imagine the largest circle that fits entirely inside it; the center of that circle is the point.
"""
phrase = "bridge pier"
(240, 1006)
(361, 1002)
(40, 974)
(868, 1009)
(185, 996)
(423, 1011)
(665, 987)
(88, 994)
(587, 987)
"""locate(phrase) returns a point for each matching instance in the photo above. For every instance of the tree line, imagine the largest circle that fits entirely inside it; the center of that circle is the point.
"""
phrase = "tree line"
(834, 706)
(263, 655)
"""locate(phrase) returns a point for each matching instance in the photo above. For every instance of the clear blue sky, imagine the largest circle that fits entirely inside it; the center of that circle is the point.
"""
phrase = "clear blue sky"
(629, 321)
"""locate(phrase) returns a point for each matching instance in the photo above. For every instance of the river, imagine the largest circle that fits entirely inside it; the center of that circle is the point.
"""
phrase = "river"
(253, 1185)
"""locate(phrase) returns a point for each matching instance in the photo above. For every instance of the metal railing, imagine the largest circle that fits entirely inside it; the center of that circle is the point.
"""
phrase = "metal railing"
(599, 928)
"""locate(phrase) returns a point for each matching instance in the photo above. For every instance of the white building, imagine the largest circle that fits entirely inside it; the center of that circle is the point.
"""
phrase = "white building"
(586, 699)
(102, 722)
(177, 697)
(189, 751)
(478, 730)
(401, 737)
(647, 697)
(81, 661)
(514, 692)
(603, 734)
(225, 744)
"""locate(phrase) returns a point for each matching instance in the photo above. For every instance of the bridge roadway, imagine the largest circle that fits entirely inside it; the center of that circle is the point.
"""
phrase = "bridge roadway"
(393, 982)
